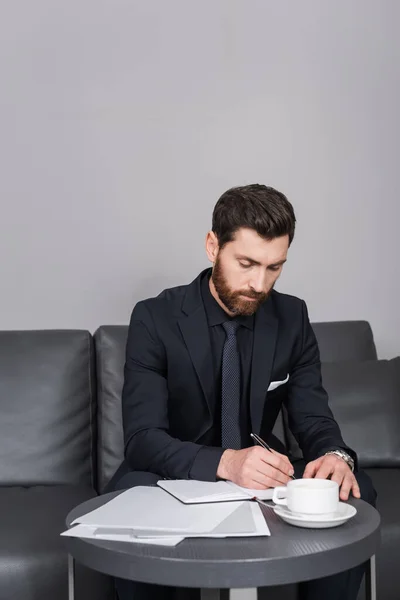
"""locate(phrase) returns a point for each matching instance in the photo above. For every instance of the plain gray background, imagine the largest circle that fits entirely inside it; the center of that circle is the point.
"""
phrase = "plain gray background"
(121, 123)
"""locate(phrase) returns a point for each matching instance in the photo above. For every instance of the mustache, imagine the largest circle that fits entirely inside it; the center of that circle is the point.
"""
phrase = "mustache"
(255, 295)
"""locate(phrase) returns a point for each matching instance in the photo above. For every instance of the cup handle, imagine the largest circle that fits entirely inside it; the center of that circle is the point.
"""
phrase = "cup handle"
(276, 498)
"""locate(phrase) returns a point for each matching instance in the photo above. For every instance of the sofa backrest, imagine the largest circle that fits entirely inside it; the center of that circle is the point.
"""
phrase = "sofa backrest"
(110, 342)
(47, 407)
(338, 341)
(345, 340)
(365, 400)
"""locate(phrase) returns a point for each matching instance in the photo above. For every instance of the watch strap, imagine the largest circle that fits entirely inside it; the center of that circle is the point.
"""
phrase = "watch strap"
(344, 456)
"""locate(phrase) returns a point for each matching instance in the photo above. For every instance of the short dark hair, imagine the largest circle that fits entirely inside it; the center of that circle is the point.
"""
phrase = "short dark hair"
(257, 207)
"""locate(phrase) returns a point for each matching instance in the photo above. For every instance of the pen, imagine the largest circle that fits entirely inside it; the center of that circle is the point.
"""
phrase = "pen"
(261, 442)
(262, 502)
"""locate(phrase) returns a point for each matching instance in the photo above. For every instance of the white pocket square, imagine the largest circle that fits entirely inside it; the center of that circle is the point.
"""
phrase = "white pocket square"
(275, 384)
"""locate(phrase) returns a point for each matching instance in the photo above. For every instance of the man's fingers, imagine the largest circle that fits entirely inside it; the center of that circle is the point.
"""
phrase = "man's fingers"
(325, 469)
(311, 469)
(259, 480)
(355, 489)
(278, 461)
(254, 484)
(274, 479)
(346, 487)
(254, 479)
(338, 477)
(282, 456)
(273, 474)
(285, 460)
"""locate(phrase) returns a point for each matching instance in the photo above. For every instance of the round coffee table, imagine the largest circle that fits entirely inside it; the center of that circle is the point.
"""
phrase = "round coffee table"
(289, 555)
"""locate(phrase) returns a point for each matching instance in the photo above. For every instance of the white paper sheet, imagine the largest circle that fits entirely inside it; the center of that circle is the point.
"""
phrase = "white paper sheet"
(230, 519)
(89, 532)
(151, 508)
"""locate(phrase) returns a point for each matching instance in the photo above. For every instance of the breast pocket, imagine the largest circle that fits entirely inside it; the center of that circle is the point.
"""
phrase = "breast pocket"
(276, 384)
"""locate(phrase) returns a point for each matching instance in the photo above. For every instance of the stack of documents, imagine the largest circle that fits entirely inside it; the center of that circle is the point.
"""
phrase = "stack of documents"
(151, 515)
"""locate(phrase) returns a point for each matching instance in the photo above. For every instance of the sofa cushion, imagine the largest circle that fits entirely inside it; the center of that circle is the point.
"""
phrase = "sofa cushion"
(387, 485)
(33, 558)
(345, 340)
(47, 407)
(110, 342)
(365, 400)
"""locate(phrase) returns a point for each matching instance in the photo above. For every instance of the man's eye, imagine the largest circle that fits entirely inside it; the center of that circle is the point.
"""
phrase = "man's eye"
(274, 268)
(245, 265)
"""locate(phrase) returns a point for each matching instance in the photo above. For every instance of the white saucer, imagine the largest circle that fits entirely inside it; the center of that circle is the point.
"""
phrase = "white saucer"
(343, 514)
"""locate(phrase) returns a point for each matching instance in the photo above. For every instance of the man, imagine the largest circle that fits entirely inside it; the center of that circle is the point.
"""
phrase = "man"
(200, 359)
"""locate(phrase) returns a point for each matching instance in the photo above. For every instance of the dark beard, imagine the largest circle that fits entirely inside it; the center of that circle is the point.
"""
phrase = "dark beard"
(233, 300)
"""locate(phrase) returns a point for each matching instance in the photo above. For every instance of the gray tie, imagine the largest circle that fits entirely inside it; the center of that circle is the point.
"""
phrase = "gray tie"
(230, 405)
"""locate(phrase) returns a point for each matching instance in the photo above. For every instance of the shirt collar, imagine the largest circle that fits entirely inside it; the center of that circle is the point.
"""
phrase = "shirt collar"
(214, 312)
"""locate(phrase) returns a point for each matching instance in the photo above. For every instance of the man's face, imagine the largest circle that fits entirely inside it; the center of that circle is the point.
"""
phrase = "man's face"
(246, 269)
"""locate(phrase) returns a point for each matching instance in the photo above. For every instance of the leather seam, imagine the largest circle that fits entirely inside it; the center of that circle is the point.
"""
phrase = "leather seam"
(90, 413)
(100, 395)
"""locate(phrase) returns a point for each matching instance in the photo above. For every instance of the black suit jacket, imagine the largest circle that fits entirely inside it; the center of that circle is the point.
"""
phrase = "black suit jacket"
(168, 391)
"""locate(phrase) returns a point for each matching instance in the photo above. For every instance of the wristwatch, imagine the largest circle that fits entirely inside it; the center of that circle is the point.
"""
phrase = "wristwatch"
(344, 456)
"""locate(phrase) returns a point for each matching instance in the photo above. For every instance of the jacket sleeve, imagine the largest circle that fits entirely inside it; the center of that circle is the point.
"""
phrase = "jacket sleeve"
(310, 418)
(147, 444)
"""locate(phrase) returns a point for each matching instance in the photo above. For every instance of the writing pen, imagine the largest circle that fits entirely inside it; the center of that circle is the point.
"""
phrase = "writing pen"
(261, 442)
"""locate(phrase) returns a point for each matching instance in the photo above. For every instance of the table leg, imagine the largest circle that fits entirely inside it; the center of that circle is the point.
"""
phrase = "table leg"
(370, 579)
(71, 578)
(243, 594)
(234, 594)
(210, 594)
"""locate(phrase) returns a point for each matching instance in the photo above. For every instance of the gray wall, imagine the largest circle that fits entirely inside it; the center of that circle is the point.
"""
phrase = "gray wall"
(123, 121)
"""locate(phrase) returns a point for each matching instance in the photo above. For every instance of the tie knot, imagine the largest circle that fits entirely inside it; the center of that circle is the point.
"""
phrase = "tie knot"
(231, 327)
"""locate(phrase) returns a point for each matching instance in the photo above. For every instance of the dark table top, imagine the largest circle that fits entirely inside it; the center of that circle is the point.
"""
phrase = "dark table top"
(290, 554)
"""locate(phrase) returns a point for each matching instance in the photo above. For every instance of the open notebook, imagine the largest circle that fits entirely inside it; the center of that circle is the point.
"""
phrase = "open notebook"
(192, 491)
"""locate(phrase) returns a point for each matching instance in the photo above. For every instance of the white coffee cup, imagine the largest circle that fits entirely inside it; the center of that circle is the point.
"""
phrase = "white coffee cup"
(309, 496)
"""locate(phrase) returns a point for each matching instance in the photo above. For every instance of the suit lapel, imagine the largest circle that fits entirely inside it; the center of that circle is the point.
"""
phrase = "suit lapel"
(194, 328)
(264, 342)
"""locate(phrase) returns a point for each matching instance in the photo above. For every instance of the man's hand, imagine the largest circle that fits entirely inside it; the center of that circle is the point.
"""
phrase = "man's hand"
(255, 468)
(338, 470)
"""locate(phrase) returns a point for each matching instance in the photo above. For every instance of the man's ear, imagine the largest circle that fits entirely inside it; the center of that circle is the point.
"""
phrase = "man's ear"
(212, 246)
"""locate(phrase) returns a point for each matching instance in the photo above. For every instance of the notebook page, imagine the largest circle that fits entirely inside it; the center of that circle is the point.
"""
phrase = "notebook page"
(192, 491)
(260, 494)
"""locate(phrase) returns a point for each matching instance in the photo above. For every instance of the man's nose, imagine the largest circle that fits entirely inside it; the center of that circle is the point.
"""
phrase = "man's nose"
(259, 282)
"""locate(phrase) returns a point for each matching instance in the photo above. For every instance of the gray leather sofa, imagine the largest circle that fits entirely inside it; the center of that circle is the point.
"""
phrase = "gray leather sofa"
(48, 443)
(61, 441)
